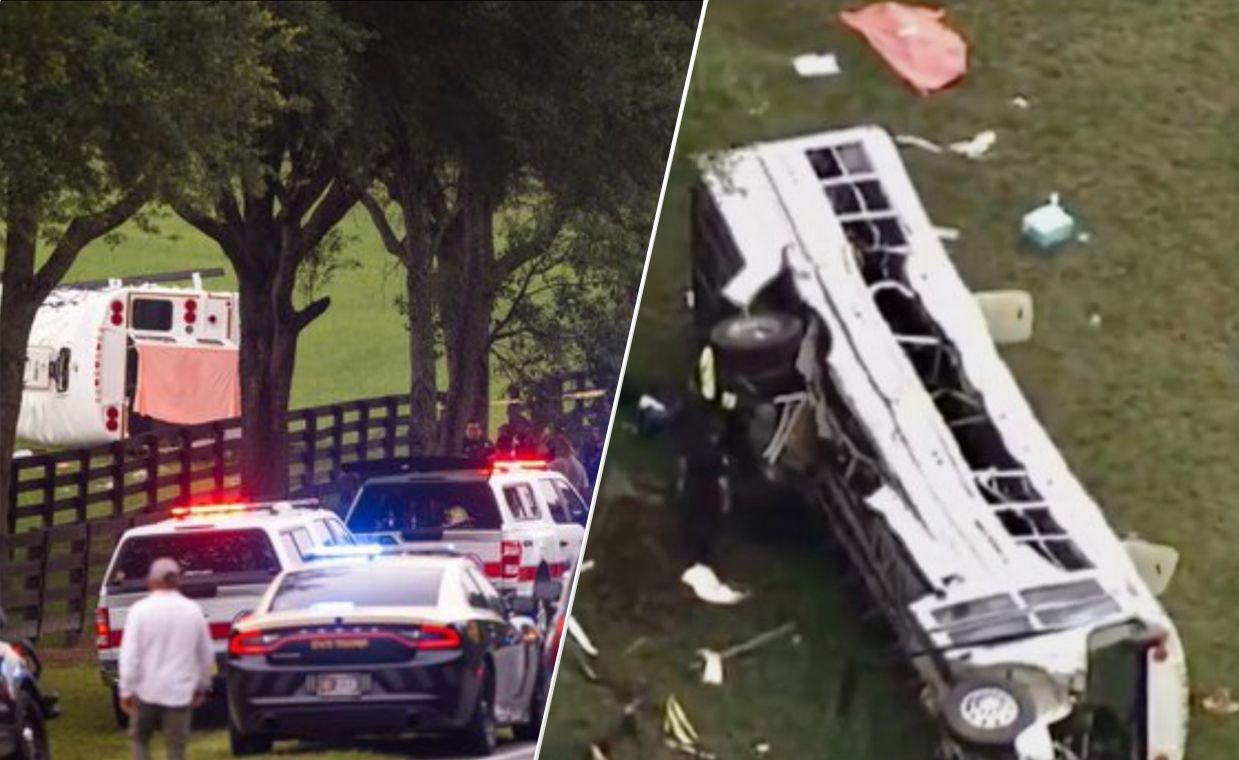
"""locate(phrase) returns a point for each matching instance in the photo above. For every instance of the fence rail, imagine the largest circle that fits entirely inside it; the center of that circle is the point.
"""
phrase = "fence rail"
(71, 507)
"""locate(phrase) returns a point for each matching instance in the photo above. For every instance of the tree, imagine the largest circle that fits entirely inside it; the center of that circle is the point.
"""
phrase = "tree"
(271, 215)
(105, 107)
(522, 117)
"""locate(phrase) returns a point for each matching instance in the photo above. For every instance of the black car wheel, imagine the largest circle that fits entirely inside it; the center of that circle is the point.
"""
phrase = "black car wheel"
(243, 744)
(477, 738)
(987, 714)
(758, 351)
(30, 729)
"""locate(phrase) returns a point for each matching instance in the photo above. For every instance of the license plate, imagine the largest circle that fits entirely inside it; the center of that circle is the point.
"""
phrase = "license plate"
(338, 685)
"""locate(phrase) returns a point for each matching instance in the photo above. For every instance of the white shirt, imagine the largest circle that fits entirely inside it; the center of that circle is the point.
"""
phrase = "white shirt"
(165, 651)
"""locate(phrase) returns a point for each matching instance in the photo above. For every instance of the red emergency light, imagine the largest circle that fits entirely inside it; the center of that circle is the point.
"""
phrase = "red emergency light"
(213, 510)
(519, 465)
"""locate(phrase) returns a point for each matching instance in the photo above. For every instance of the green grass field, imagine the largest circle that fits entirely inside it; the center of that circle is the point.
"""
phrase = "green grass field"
(1132, 119)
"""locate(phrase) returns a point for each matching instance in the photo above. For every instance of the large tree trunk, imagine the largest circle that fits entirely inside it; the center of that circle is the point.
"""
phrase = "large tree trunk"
(423, 390)
(17, 310)
(467, 304)
(268, 351)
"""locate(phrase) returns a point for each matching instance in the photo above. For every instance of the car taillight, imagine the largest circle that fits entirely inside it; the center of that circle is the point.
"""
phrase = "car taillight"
(249, 643)
(510, 559)
(103, 628)
(438, 637)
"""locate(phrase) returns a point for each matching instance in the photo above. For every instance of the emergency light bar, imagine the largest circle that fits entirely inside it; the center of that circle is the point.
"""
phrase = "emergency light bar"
(360, 551)
(219, 510)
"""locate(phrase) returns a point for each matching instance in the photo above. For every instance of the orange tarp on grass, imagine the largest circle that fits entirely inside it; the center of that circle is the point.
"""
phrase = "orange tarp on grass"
(927, 53)
(188, 385)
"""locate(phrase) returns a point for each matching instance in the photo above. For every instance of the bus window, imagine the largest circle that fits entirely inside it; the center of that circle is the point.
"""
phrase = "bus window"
(152, 314)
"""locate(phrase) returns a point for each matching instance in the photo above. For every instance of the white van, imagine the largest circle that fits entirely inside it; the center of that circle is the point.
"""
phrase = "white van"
(101, 361)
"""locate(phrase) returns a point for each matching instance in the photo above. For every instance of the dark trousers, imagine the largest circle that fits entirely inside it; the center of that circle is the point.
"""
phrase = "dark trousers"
(172, 721)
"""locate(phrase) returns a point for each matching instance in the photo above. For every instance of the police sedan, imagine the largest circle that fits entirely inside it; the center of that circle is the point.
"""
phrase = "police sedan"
(383, 645)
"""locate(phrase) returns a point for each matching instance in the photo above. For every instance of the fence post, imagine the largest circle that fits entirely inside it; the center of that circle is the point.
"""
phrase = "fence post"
(83, 482)
(12, 495)
(337, 440)
(186, 474)
(310, 454)
(118, 479)
(151, 442)
(389, 428)
(217, 461)
(363, 432)
(45, 550)
(49, 490)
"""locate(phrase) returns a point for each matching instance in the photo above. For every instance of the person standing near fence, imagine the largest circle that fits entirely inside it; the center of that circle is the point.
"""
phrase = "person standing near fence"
(566, 464)
(166, 663)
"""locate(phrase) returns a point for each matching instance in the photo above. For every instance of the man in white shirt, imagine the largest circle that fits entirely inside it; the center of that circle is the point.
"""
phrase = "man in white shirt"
(165, 663)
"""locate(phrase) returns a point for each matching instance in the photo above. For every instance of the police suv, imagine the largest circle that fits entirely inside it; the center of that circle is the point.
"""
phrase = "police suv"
(516, 519)
(228, 556)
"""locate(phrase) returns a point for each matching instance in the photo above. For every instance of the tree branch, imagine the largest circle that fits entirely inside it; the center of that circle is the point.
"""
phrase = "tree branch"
(327, 214)
(517, 255)
(388, 235)
(83, 229)
(310, 313)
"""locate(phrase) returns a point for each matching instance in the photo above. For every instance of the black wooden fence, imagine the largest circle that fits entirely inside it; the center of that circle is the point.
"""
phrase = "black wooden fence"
(71, 507)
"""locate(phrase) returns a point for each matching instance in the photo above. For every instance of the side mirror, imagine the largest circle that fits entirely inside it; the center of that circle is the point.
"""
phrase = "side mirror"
(1155, 563)
(547, 591)
(1008, 315)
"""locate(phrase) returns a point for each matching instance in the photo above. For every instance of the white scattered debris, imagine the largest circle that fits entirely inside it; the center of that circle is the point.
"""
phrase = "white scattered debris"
(1094, 320)
(586, 566)
(708, 588)
(761, 749)
(596, 753)
(1220, 702)
(1084, 237)
(712, 672)
(681, 736)
(915, 141)
(580, 637)
(976, 147)
(757, 109)
(816, 65)
(1049, 224)
(947, 234)
(648, 403)
(1020, 102)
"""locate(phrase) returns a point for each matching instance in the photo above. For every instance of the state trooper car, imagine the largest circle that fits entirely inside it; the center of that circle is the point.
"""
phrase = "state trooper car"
(844, 355)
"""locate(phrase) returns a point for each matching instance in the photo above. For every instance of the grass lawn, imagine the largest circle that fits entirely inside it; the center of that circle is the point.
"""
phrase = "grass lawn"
(1131, 119)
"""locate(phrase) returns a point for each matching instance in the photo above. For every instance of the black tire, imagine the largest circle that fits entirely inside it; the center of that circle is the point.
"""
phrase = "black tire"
(757, 352)
(118, 713)
(987, 714)
(477, 737)
(30, 729)
(244, 745)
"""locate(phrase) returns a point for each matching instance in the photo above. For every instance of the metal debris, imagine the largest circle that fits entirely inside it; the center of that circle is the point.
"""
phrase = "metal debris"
(680, 734)
(711, 662)
(975, 147)
(1220, 702)
(816, 65)
(580, 637)
(947, 234)
(915, 141)
(708, 588)
(712, 667)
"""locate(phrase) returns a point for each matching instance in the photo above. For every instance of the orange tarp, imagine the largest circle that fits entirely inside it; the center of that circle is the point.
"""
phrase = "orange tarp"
(187, 385)
(914, 41)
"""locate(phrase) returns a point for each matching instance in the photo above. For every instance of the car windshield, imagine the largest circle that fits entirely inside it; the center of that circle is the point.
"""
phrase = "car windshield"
(368, 584)
(237, 556)
(425, 506)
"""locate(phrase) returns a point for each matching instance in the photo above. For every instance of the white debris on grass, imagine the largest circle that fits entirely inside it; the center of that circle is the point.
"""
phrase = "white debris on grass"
(712, 672)
(761, 749)
(947, 234)
(916, 141)
(816, 65)
(679, 731)
(1020, 102)
(580, 637)
(975, 147)
(586, 566)
(1220, 702)
(596, 753)
(708, 588)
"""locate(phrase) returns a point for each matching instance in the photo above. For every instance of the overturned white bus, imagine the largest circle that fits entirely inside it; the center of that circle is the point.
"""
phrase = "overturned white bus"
(107, 359)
